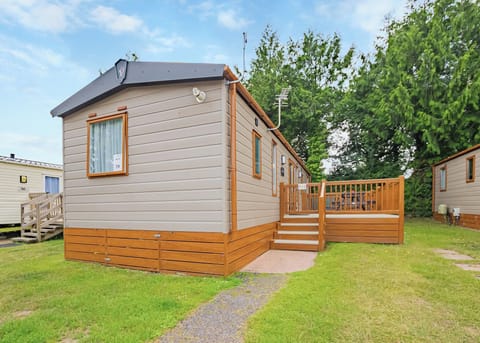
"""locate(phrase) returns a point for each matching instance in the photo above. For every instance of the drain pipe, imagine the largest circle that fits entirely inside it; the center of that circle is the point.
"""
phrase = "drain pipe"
(233, 154)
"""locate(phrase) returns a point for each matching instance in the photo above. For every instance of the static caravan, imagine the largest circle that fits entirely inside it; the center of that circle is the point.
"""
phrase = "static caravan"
(456, 188)
(20, 178)
(171, 167)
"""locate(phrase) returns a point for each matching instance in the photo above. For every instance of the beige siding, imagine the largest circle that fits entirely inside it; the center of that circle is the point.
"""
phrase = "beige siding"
(13, 193)
(256, 204)
(176, 163)
(459, 193)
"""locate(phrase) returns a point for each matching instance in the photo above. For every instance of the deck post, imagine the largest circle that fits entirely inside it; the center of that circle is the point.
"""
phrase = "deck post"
(321, 216)
(282, 200)
(401, 208)
(38, 222)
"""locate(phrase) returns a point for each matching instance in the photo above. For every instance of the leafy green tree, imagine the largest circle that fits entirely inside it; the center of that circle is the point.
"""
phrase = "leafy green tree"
(316, 70)
(417, 100)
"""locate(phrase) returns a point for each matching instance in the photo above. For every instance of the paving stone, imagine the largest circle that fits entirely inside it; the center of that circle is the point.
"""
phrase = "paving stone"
(452, 255)
(472, 267)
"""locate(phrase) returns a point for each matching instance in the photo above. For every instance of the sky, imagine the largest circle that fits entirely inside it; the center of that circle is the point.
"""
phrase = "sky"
(50, 49)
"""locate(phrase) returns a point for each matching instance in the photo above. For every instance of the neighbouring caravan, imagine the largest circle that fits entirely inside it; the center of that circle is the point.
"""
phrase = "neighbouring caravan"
(456, 188)
(171, 167)
(20, 179)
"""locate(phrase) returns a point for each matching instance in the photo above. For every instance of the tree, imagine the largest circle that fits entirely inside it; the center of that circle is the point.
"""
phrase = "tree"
(316, 70)
(417, 100)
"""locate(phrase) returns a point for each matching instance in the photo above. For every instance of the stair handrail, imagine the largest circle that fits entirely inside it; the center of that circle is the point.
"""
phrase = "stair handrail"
(42, 211)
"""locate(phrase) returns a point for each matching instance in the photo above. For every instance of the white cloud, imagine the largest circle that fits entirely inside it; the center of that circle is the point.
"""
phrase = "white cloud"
(231, 20)
(114, 21)
(204, 9)
(226, 17)
(18, 56)
(41, 15)
(368, 15)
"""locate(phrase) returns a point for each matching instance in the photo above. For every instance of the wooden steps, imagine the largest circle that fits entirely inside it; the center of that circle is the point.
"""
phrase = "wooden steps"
(297, 232)
(42, 218)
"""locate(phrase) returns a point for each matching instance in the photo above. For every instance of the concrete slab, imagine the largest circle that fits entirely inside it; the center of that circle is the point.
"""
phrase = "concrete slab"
(452, 255)
(472, 267)
(281, 261)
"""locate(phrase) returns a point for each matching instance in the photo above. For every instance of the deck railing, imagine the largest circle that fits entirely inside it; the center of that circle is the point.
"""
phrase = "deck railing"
(356, 196)
(364, 196)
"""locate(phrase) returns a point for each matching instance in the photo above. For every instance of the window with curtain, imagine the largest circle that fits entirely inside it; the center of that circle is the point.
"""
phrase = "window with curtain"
(443, 178)
(471, 169)
(107, 144)
(52, 184)
(257, 154)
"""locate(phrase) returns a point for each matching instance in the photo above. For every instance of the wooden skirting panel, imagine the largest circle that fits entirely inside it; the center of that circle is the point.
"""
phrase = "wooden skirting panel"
(363, 230)
(170, 252)
(471, 221)
(247, 244)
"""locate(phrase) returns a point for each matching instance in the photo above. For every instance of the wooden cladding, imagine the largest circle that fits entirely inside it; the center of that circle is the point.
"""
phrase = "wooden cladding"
(471, 221)
(167, 251)
(364, 230)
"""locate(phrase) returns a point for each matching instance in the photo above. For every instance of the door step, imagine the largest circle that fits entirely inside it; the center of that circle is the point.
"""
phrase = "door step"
(297, 235)
(24, 239)
(295, 244)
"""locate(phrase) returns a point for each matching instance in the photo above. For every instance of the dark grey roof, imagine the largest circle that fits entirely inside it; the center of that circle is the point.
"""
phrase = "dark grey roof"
(31, 163)
(136, 74)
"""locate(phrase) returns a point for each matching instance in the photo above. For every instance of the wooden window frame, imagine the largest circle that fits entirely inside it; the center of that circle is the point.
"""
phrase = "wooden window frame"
(274, 168)
(440, 181)
(255, 135)
(467, 160)
(124, 171)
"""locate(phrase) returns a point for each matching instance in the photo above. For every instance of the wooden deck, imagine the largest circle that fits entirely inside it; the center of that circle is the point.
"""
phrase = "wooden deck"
(368, 211)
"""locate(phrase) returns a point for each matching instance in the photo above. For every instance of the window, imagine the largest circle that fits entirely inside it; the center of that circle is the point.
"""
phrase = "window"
(471, 169)
(107, 145)
(443, 179)
(256, 154)
(274, 168)
(52, 184)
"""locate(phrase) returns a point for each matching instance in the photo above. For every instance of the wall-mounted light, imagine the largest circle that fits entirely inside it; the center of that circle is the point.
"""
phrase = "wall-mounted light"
(199, 95)
(256, 121)
(300, 174)
(283, 159)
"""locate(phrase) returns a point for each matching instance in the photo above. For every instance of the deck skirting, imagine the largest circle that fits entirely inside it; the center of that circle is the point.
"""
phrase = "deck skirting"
(205, 253)
(471, 221)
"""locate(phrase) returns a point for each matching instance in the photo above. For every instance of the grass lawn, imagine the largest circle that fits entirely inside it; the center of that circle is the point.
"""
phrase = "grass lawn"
(44, 298)
(10, 229)
(380, 293)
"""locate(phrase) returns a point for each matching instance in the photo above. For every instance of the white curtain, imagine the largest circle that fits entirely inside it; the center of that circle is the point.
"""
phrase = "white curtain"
(106, 146)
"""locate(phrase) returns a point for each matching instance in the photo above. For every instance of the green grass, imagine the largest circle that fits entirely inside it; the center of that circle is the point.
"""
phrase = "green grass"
(380, 293)
(44, 298)
(10, 229)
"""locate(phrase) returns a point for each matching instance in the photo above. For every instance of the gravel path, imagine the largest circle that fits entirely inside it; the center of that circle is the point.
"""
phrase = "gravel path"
(223, 319)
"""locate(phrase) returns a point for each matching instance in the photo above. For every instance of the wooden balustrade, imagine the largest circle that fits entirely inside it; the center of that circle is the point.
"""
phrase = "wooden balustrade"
(364, 196)
(356, 196)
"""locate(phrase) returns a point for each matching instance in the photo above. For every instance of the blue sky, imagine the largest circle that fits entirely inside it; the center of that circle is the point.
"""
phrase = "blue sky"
(50, 49)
